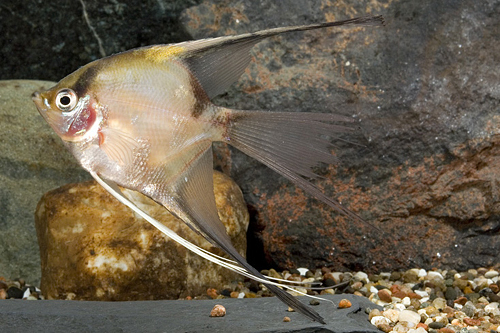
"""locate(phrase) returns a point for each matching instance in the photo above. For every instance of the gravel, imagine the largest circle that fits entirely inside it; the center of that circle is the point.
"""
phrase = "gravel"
(413, 301)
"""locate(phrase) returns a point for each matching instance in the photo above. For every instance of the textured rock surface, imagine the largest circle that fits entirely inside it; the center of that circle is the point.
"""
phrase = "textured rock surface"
(32, 162)
(425, 90)
(94, 248)
(48, 40)
(243, 315)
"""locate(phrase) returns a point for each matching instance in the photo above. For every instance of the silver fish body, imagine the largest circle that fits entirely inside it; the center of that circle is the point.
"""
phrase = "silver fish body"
(143, 119)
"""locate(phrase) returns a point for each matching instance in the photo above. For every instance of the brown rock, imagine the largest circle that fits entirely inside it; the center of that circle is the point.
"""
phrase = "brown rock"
(385, 295)
(212, 293)
(472, 321)
(344, 303)
(446, 330)
(218, 311)
(430, 152)
(94, 247)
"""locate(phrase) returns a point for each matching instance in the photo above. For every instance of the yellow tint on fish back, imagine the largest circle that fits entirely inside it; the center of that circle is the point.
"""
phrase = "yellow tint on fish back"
(161, 53)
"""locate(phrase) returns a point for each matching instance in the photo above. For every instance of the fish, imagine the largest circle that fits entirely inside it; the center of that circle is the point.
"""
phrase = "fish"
(143, 120)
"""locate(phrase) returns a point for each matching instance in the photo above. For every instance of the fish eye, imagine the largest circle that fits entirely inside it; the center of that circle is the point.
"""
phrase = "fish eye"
(66, 100)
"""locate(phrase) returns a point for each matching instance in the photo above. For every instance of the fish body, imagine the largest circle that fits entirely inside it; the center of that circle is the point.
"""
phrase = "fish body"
(143, 119)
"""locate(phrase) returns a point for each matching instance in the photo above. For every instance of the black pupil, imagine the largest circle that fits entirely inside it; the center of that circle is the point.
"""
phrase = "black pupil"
(65, 100)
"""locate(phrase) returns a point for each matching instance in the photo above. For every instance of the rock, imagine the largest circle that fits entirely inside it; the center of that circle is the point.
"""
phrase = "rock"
(409, 316)
(423, 89)
(94, 247)
(243, 315)
(33, 161)
(490, 274)
(427, 108)
(34, 49)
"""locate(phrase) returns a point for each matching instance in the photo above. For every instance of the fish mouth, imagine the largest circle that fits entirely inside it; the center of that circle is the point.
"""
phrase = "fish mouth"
(40, 104)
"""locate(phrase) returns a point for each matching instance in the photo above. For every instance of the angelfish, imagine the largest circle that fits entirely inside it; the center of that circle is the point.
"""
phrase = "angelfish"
(143, 119)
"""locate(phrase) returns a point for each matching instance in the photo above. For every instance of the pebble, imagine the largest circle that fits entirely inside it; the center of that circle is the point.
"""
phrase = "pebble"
(490, 274)
(409, 316)
(344, 303)
(385, 295)
(413, 301)
(218, 311)
(379, 320)
(286, 319)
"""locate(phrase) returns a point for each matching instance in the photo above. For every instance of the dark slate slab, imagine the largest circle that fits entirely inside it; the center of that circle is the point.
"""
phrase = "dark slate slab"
(243, 315)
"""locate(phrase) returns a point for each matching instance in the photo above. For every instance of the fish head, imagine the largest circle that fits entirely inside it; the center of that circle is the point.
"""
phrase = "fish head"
(72, 113)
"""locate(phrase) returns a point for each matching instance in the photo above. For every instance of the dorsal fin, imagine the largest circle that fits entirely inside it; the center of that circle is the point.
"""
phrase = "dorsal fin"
(219, 62)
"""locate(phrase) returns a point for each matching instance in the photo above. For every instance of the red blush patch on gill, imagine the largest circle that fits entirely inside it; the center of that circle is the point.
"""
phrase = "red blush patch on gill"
(83, 121)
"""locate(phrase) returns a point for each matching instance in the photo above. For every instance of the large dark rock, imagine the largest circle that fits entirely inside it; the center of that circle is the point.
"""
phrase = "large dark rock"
(48, 40)
(425, 90)
(242, 315)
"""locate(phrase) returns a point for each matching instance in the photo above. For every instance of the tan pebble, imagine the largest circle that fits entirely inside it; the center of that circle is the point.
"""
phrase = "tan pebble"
(344, 303)
(468, 290)
(384, 328)
(286, 319)
(3, 294)
(472, 322)
(328, 291)
(250, 295)
(290, 309)
(358, 293)
(211, 292)
(385, 295)
(218, 311)
(446, 330)
(234, 294)
(188, 298)
(391, 314)
(374, 313)
(357, 285)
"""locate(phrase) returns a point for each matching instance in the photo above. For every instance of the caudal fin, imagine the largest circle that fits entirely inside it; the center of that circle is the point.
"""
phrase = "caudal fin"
(290, 143)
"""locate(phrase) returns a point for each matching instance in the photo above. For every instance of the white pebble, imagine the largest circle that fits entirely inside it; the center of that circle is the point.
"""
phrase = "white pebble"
(434, 275)
(492, 309)
(378, 320)
(391, 314)
(428, 321)
(361, 276)
(406, 301)
(27, 293)
(241, 295)
(422, 293)
(422, 272)
(302, 271)
(373, 290)
(409, 316)
(399, 306)
(385, 275)
(490, 274)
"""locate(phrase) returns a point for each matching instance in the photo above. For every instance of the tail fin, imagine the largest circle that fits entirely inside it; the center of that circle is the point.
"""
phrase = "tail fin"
(290, 143)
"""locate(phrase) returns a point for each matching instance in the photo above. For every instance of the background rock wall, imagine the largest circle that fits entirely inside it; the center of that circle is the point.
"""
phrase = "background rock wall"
(423, 166)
